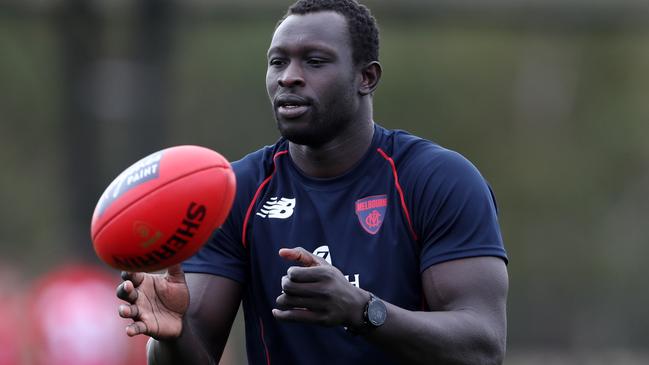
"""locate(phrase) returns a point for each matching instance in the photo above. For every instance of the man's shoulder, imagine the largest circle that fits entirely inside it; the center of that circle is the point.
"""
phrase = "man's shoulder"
(256, 166)
(412, 151)
(418, 159)
(258, 162)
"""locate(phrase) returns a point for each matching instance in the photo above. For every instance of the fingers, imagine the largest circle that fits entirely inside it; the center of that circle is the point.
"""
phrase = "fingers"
(298, 315)
(129, 311)
(126, 291)
(302, 256)
(305, 288)
(136, 328)
(132, 312)
(135, 277)
(286, 301)
(309, 274)
(302, 288)
(309, 295)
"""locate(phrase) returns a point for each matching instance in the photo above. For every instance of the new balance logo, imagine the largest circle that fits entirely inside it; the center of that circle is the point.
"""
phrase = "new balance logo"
(274, 208)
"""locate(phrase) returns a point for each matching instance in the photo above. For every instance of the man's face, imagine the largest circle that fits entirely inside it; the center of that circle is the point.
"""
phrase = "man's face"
(311, 78)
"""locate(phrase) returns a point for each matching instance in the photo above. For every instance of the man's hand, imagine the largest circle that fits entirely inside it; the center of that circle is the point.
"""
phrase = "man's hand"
(156, 303)
(318, 293)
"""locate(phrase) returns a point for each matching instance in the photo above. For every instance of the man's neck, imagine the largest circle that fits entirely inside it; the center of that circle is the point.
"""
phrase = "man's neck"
(337, 156)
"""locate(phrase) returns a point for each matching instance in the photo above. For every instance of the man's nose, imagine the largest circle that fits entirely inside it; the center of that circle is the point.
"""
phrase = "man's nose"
(292, 76)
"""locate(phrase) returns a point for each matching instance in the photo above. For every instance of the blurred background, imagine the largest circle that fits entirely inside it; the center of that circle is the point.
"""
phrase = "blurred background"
(549, 98)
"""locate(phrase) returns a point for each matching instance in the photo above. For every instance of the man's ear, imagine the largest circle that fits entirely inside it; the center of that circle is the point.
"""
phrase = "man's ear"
(370, 76)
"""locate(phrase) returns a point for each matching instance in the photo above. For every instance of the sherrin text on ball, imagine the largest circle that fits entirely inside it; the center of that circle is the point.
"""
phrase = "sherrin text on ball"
(160, 210)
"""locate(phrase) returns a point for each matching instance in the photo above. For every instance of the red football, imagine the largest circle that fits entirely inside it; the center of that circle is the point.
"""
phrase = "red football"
(160, 211)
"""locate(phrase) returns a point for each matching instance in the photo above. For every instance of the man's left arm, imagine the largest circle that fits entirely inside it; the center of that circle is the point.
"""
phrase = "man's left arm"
(465, 324)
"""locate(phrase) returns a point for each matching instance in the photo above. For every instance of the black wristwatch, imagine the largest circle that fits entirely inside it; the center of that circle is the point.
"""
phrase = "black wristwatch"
(374, 315)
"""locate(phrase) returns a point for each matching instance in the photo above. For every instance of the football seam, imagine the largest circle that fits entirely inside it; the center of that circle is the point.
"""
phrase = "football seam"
(119, 212)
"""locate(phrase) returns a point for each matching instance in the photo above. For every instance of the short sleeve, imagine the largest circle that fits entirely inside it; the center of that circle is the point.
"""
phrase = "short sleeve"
(224, 254)
(454, 209)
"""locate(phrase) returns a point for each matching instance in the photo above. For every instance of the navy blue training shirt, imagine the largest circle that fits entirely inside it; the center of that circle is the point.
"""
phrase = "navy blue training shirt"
(407, 205)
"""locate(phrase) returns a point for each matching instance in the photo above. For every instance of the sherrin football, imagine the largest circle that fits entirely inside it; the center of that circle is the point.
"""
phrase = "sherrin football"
(160, 210)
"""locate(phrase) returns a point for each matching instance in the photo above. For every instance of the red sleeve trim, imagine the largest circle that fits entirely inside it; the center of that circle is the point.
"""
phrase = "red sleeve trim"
(399, 190)
(244, 241)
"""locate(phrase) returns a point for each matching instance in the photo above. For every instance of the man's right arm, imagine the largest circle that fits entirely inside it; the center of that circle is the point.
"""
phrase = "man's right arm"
(213, 305)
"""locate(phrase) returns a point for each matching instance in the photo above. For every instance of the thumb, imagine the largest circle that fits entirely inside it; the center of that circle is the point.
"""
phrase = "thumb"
(302, 256)
(175, 274)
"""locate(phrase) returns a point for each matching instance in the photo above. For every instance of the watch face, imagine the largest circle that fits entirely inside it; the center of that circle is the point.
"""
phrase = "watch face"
(376, 312)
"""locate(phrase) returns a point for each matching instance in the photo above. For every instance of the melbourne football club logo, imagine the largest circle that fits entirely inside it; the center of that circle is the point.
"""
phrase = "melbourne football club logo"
(371, 212)
(281, 208)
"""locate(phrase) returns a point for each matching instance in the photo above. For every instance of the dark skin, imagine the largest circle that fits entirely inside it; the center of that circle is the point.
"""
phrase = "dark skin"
(310, 66)
(311, 60)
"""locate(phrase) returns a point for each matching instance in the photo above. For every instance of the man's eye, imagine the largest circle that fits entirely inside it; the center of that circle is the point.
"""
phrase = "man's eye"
(316, 61)
(276, 62)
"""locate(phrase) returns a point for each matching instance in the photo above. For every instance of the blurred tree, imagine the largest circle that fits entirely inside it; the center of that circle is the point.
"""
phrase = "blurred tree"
(107, 95)
(80, 27)
(151, 54)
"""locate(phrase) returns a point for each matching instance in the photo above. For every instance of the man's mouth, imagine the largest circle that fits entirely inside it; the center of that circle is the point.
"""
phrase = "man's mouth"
(291, 106)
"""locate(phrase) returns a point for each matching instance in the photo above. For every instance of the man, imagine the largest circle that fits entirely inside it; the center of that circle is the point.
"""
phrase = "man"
(348, 243)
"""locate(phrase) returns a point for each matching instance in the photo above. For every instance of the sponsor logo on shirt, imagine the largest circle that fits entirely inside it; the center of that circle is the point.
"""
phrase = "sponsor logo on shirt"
(371, 211)
(323, 251)
(280, 208)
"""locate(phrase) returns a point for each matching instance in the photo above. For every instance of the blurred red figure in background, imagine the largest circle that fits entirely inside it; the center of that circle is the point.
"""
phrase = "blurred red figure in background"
(11, 337)
(73, 320)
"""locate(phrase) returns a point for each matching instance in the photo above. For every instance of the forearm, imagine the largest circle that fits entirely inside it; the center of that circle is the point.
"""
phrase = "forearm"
(186, 349)
(444, 337)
